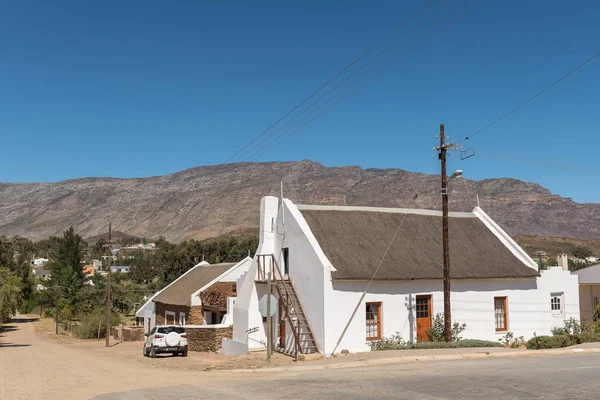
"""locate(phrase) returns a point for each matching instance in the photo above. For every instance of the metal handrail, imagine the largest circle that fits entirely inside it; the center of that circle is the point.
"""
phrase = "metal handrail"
(296, 331)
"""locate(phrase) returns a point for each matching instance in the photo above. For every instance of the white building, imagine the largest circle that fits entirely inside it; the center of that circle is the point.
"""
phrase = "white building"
(329, 255)
(195, 298)
(589, 291)
(39, 262)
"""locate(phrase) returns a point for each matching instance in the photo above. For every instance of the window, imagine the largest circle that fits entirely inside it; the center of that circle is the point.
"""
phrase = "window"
(374, 321)
(556, 303)
(501, 313)
(168, 329)
(286, 260)
(169, 318)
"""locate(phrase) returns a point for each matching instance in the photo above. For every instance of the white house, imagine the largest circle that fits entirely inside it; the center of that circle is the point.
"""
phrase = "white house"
(589, 291)
(202, 295)
(332, 260)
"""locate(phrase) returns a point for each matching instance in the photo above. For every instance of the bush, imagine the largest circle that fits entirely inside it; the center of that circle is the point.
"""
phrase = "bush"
(49, 313)
(393, 343)
(555, 342)
(91, 322)
(437, 333)
(509, 340)
(396, 342)
(460, 344)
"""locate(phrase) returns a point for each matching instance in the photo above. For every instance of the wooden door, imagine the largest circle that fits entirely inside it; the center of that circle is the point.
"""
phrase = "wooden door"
(423, 311)
(281, 325)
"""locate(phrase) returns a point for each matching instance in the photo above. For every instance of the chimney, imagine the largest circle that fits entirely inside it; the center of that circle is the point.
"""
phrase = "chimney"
(269, 207)
(563, 261)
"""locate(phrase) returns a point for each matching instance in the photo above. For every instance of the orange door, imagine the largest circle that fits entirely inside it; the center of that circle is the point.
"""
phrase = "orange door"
(281, 325)
(423, 311)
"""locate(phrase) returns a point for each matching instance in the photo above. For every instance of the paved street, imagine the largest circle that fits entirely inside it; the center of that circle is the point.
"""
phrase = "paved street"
(33, 367)
(540, 377)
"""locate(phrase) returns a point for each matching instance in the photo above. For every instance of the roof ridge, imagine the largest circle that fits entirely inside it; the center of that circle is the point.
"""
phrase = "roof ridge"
(391, 210)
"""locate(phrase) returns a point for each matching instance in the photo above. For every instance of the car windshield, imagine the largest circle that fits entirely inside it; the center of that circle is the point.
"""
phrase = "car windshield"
(169, 329)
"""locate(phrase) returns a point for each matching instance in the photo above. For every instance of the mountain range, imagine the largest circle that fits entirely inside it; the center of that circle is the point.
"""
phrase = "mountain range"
(209, 201)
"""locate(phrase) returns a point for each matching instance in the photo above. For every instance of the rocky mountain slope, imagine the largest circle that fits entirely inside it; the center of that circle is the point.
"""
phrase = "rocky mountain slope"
(209, 201)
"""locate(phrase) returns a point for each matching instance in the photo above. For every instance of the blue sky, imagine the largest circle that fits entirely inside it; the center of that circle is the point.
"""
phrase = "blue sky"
(133, 89)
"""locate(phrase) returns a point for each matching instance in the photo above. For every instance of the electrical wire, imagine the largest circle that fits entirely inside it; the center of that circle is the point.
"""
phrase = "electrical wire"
(366, 82)
(362, 297)
(531, 98)
(257, 145)
(332, 79)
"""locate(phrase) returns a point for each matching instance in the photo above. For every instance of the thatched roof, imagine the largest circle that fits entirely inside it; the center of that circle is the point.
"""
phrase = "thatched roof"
(355, 238)
(180, 291)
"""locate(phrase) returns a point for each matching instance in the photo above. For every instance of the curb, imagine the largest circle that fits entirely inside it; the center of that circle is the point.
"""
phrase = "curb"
(423, 358)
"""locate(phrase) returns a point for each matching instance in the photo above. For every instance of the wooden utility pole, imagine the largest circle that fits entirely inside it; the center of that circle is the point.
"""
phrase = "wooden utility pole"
(269, 319)
(445, 240)
(108, 308)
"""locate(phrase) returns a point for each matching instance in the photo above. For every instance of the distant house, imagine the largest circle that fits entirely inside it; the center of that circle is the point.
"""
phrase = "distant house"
(39, 262)
(204, 295)
(589, 291)
(43, 274)
(342, 282)
(89, 270)
(120, 268)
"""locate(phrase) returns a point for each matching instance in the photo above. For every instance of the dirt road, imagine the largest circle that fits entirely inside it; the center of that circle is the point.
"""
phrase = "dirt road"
(36, 366)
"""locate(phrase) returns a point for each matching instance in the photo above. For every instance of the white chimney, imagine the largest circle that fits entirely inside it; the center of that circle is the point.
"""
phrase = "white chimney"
(563, 261)
(269, 207)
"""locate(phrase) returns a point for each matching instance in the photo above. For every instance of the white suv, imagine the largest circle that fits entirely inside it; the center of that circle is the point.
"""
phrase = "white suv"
(166, 339)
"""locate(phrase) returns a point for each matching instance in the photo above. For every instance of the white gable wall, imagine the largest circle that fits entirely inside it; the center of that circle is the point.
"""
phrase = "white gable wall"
(309, 268)
(472, 303)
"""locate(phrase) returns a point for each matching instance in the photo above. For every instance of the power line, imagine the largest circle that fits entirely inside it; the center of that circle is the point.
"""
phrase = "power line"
(532, 98)
(332, 79)
(569, 168)
(424, 178)
(253, 148)
(370, 79)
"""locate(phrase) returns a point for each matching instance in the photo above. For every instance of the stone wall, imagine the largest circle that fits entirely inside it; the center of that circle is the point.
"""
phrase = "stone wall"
(129, 333)
(161, 309)
(207, 338)
(196, 316)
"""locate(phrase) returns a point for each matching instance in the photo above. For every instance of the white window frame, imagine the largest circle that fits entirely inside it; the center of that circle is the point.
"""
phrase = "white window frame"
(561, 302)
(181, 318)
(170, 313)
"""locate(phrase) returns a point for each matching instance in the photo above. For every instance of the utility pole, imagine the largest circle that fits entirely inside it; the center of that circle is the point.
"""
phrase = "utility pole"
(108, 286)
(445, 241)
(269, 319)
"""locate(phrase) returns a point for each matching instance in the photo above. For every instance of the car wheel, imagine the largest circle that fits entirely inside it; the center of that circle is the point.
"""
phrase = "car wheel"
(152, 352)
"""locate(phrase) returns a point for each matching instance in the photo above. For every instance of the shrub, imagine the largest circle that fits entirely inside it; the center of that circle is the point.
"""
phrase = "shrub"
(554, 342)
(437, 332)
(597, 314)
(509, 340)
(396, 342)
(90, 324)
(460, 344)
(49, 313)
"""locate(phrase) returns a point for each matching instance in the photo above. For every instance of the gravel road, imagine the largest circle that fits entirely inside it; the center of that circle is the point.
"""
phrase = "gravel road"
(32, 366)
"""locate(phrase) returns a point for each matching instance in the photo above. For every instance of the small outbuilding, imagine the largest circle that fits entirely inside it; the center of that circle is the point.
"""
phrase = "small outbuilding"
(201, 296)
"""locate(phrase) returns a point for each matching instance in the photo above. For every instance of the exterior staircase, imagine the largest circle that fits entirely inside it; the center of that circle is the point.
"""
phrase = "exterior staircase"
(305, 341)
(294, 314)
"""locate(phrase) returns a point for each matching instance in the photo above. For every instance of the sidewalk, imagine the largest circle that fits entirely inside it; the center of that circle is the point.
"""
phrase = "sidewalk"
(412, 356)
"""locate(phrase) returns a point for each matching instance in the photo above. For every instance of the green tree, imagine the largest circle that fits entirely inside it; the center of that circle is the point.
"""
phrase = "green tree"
(10, 294)
(581, 252)
(66, 270)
